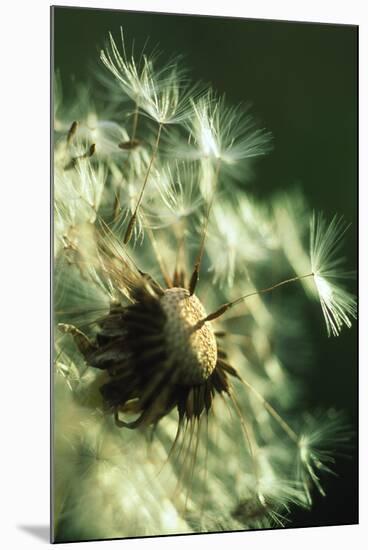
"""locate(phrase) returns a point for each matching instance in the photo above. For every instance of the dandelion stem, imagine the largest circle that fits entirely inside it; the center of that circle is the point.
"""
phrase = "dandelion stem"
(197, 265)
(179, 270)
(133, 218)
(159, 258)
(264, 290)
(289, 431)
(248, 438)
(135, 121)
(221, 310)
(117, 206)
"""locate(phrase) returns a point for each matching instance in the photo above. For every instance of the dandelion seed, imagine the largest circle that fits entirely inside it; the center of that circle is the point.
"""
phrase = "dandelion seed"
(226, 133)
(271, 502)
(324, 437)
(168, 103)
(240, 235)
(177, 195)
(129, 74)
(338, 305)
(127, 187)
(78, 196)
(107, 136)
(72, 131)
(162, 95)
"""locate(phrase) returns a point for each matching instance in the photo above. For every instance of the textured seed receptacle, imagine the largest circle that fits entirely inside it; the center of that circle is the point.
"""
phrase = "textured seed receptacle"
(195, 353)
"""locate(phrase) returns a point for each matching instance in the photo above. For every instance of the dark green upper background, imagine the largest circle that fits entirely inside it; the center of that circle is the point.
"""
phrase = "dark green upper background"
(302, 81)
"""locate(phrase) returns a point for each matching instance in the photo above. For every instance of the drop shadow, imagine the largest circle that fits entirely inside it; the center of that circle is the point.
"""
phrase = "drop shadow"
(41, 532)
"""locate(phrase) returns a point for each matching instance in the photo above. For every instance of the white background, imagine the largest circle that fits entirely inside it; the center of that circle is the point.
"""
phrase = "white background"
(24, 271)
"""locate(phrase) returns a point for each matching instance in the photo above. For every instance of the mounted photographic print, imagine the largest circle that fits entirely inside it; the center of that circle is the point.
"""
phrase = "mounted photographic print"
(204, 191)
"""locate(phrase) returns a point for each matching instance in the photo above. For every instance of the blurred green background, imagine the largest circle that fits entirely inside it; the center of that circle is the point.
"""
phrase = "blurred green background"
(302, 81)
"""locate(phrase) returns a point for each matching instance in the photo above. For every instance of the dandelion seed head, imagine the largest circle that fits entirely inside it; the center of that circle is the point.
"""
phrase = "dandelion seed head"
(196, 352)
